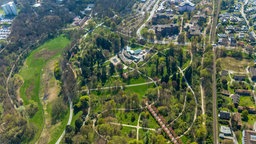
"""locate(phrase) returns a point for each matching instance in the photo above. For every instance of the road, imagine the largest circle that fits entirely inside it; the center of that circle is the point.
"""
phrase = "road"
(149, 18)
(214, 102)
(214, 90)
(69, 120)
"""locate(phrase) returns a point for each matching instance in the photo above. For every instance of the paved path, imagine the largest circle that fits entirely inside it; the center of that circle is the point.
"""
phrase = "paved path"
(132, 126)
(2, 50)
(9, 76)
(69, 120)
(111, 87)
(214, 90)
(71, 110)
(201, 85)
(195, 115)
(180, 114)
(138, 128)
(214, 102)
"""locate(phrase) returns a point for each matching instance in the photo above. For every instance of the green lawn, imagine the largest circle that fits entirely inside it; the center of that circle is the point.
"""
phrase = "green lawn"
(140, 90)
(246, 101)
(125, 131)
(31, 74)
(152, 122)
(251, 119)
(125, 117)
(75, 117)
(58, 129)
(138, 80)
(1, 109)
(1, 11)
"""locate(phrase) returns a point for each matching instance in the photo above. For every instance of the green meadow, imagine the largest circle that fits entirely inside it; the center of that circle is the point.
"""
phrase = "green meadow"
(31, 73)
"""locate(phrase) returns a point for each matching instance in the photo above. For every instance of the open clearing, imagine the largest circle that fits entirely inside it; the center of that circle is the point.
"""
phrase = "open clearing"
(229, 63)
(31, 73)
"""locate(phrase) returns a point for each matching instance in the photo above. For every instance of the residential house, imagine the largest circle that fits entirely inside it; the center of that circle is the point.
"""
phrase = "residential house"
(166, 30)
(232, 41)
(236, 118)
(249, 137)
(159, 16)
(225, 92)
(239, 77)
(223, 41)
(224, 73)
(225, 132)
(243, 92)
(186, 6)
(222, 35)
(252, 71)
(224, 115)
(194, 31)
(235, 99)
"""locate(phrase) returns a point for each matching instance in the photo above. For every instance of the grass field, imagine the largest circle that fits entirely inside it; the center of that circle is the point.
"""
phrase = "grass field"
(1, 11)
(57, 129)
(31, 74)
(126, 117)
(229, 63)
(140, 90)
(75, 117)
(246, 101)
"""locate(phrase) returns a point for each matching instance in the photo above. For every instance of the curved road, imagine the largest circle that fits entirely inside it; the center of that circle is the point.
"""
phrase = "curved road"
(149, 18)
(69, 120)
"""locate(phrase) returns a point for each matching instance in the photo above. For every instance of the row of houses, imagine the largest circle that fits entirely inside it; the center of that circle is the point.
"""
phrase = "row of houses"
(235, 29)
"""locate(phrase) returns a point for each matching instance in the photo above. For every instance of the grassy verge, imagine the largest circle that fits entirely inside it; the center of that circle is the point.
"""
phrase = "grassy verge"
(1, 11)
(31, 73)
(57, 130)
(75, 117)
(246, 101)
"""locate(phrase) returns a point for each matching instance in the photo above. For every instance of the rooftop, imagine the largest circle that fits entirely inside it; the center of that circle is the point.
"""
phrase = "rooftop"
(187, 2)
(225, 130)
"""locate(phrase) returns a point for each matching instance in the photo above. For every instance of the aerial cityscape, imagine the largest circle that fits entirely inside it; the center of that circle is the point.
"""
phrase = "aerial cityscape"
(128, 71)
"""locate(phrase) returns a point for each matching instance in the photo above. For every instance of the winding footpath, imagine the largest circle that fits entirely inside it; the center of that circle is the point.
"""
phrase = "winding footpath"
(195, 115)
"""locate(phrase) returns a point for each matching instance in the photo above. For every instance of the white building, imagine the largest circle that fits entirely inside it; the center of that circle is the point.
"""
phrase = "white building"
(186, 6)
(10, 8)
